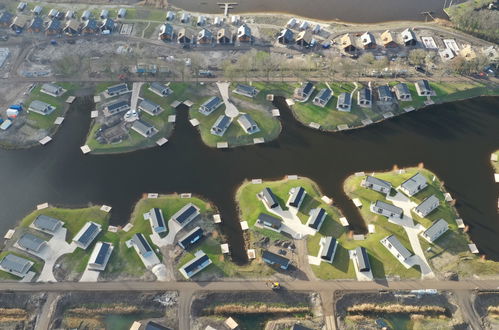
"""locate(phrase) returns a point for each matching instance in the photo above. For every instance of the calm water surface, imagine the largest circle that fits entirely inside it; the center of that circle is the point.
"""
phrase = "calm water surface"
(358, 11)
(453, 140)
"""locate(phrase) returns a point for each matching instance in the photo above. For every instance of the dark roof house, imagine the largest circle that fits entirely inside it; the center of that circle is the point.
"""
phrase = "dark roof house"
(187, 213)
(316, 218)
(221, 125)
(248, 124)
(269, 221)
(329, 249)
(191, 238)
(269, 198)
(362, 259)
(322, 98)
(275, 259)
(285, 37)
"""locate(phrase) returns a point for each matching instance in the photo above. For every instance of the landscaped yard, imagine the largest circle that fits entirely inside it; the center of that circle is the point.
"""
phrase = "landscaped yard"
(37, 266)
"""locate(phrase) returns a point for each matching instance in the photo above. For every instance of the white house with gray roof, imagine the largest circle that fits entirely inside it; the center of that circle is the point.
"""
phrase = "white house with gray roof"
(210, 105)
(87, 234)
(157, 220)
(414, 184)
(144, 128)
(248, 124)
(31, 243)
(388, 210)
(402, 92)
(344, 102)
(47, 224)
(396, 248)
(423, 88)
(364, 97)
(160, 89)
(245, 90)
(322, 98)
(382, 186)
(52, 89)
(427, 206)
(41, 108)
(221, 125)
(435, 231)
(15, 265)
(150, 107)
(100, 256)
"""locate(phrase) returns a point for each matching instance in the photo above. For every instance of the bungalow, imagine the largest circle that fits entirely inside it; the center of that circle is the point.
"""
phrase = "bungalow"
(382, 186)
(86, 15)
(100, 256)
(41, 107)
(104, 13)
(362, 259)
(217, 21)
(19, 23)
(36, 25)
(329, 245)
(201, 20)
(248, 124)
(191, 238)
(275, 259)
(6, 19)
(116, 107)
(322, 98)
(200, 262)
(367, 40)
(31, 243)
(87, 234)
(53, 13)
(182, 37)
(51, 89)
(107, 25)
(447, 54)
(304, 38)
(47, 224)
(296, 196)
(37, 10)
(149, 107)
(402, 92)
(54, 27)
(387, 40)
(388, 210)
(269, 221)
(317, 29)
(244, 33)
(142, 246)
(396, 248)
(15, 265)
(346, 44)
(291, 23)
(70, 14)
(384, 93)
(427, 206)
(364, 97)
(285, 37)
(344, 102)
(268, 198)
(221, 125)
(409, 37)
(186, 214)
(144, 128)
(71, 28)
(211, 105)
(90, 26)
(166, 32)
(157, 220)
(316, 218)
(185, 18)
(246, 90)
(205, 37)
(170, 16)
(423, 88)
(435, 231)
(160, 89)
(121, 13)
(414, 184)
(303, 93)
(223, 36)
(22, 5)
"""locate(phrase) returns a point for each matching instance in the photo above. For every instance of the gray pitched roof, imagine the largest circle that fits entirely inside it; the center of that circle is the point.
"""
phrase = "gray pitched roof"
(141, 126)
(246, 121)
(384, 91)
(389, 207)
(148, 105)
(345, 98)
(16, 264)
(47, 223)
(31, 242)
(414, 181)
(427, 204)
(141, 243)
(436, 228)
(365, 94)
(324, 94)
(402, 250)
(402, 88)
(378, 182)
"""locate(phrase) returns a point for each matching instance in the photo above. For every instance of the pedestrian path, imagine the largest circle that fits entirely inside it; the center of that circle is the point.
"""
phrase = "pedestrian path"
(230, 109)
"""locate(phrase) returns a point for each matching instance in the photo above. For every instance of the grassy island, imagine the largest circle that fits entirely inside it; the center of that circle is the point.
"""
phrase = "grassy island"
(448, 253)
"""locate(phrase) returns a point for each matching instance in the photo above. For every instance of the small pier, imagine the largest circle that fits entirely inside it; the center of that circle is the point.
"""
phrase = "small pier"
(226, 6)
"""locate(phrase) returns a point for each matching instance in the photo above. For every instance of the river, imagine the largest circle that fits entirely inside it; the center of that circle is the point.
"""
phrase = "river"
(453, 140)
(357, 11)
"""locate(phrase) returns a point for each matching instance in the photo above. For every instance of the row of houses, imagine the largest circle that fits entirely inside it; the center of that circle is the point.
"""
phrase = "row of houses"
(205, 36)
(185, 18)
(223, 122)
(388, 39)
(69, 14)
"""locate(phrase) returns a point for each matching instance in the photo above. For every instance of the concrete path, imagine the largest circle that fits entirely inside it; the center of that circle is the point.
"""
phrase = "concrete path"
(45, 316)
(169, 239)
(412, 230)
(230, 109)
(90, 275)
(291, 223)
(135, 95)
(466, 301)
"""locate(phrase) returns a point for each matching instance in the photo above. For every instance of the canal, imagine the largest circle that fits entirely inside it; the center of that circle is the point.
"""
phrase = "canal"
(453, 140)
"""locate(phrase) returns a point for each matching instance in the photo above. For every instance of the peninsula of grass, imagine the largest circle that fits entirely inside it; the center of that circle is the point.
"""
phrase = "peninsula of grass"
(342, 267)
(46, 122)
(258, 108)
(450, 252)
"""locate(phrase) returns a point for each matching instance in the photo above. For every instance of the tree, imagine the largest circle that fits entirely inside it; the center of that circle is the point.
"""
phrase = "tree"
(417, 57)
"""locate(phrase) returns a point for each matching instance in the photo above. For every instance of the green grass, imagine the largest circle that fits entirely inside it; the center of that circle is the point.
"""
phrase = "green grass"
(37, 266)
(47, 121)
(270, 127)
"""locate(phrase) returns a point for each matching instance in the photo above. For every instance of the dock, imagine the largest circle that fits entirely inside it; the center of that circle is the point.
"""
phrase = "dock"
(360, 173)
(106, 208)
(258, 140)
(186, 195)
(371, 229)
(217, 218)
(409, 109)
(127, 228)
(473, 248)
(172, 118)
(225, 248)
(152, 195)
(256, 181)
(194, 122)
(357, 202)
(94, 114)
(327, 200)
(58, 120)
(70, 99)
(366, 122)
(162, 141)
(45, 140)
(42, 206)
(342, 127)
(448, 197)
(244, 225)
(387, 115)
(496, 177)
(85, 149)
(276, 113)
(96, 98)
(226, 6)
(9, 234)
(188, 103)
(175, 104)
(314, 125)
(460, 223)
(222, 145)
(344, 222)
(251, 254)
(292, 177)
(290, 102)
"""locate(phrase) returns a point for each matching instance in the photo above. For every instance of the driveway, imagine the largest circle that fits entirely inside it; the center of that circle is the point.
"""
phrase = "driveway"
(291, 223)
(230, 109)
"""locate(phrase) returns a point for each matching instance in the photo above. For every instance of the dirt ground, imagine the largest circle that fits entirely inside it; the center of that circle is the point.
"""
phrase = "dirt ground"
(482, 302)
(29, 302)
(200, 319)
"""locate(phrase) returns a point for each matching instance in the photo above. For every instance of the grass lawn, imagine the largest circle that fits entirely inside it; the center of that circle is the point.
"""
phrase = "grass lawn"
(37, 266)
(47, 121)
(270, 127)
